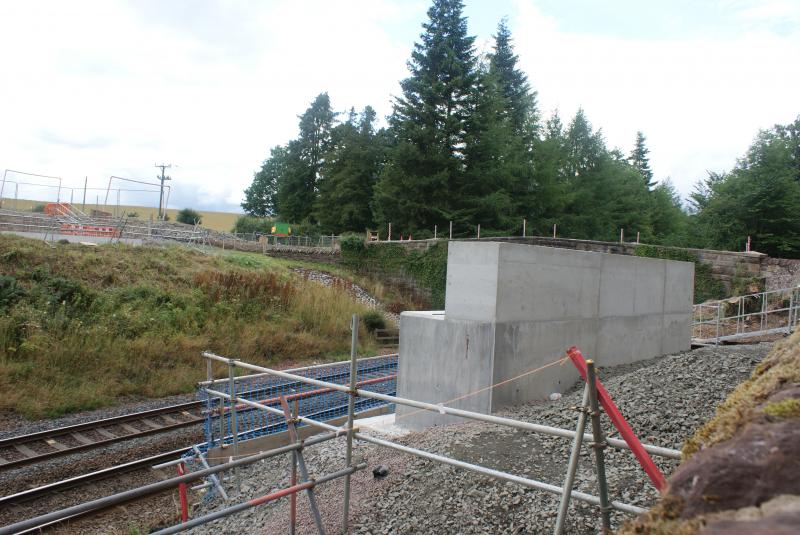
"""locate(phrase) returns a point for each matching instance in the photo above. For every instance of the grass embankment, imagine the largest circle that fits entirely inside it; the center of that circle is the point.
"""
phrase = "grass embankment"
(81, 327)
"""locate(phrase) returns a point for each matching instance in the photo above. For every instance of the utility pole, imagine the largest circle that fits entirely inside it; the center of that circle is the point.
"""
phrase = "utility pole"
(161, 209)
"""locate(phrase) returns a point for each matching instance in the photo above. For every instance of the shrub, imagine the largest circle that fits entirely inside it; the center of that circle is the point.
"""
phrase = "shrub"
(10, 291)
(189, 217)
(373, 320)
(352, 244)
(38, 208)
(69, 292)
(248, 224)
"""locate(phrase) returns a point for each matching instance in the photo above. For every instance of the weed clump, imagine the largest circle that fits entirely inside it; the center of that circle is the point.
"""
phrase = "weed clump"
(783, 409)
(374, 320)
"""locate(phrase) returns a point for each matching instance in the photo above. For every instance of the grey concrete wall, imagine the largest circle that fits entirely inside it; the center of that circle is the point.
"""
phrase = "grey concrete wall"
(514, 308)
(446, 359)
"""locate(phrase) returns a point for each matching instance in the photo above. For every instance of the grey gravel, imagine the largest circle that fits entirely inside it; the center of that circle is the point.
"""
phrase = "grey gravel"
(664, 399)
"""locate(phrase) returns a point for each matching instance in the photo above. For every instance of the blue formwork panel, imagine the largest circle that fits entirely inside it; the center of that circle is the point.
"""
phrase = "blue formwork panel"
(320, 405)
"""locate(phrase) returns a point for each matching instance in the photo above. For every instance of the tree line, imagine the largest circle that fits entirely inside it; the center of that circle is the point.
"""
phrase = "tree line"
(466, 143)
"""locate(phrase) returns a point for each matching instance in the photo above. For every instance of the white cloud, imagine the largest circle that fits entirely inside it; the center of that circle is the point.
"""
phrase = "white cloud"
(700, 102)
(110, 87)
(103, 88)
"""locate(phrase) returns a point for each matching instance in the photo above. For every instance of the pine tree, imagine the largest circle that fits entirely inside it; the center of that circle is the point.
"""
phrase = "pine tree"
(552, 193)
(495, 162)
(669, 220)
(638, 159)
(520, 100)
(584, 147)
(428, 124)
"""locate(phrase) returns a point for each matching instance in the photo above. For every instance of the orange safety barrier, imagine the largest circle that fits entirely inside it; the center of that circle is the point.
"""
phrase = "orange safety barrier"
(620, 423)
(57, 208)
(184, 499)
(76, 229)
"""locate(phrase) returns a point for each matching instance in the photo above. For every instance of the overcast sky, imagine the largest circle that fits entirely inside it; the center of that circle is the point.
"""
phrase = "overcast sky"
(112, 87)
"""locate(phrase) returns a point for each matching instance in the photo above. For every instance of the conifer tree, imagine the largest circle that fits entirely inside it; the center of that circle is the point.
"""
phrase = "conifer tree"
(297, 184)
(638, 159)
(428, 123)
(513, 83)
(495, 161)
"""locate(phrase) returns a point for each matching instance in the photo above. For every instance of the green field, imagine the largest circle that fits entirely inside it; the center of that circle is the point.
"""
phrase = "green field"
(221, 221)
(84, 327)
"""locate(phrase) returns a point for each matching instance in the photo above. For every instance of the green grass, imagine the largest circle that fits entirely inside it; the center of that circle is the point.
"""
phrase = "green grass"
(82, 327)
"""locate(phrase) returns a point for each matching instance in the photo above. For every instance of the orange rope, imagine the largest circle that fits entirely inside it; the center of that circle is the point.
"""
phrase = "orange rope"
(560, 361)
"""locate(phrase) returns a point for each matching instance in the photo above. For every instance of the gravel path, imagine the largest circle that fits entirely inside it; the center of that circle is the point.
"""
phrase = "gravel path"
(664, 399)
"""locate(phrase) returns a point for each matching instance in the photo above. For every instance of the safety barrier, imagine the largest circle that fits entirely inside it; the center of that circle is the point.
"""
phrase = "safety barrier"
(224, 425)
(259, 393)
(750, 316)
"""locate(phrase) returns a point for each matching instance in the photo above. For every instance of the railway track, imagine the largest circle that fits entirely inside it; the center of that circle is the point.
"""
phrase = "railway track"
(44, 445)
(20, 501)
(35, 447)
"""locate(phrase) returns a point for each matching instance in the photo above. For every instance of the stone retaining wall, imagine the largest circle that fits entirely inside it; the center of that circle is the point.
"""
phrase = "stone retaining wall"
(726, 265)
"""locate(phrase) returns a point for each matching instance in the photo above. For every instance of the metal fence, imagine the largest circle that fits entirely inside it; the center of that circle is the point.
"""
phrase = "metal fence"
(746, 316)
(258, 392)
(73, 223)
(225, 426)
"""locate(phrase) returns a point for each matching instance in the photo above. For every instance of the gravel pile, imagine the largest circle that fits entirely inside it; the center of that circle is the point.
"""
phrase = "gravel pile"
(665, 400)
(358, 292)
(326, 279)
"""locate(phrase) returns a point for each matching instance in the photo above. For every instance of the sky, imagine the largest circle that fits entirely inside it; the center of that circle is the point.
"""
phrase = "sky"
(95, 89)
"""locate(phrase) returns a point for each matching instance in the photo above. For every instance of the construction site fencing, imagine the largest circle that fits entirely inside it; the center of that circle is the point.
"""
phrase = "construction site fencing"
(225, 425)
(69, 222)
(748, 316)
(352, 432)
(257, 391)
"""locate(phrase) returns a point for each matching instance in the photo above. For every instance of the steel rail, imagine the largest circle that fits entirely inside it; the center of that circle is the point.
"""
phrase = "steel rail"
(151, 489)
(105, 473)
(10, 442)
